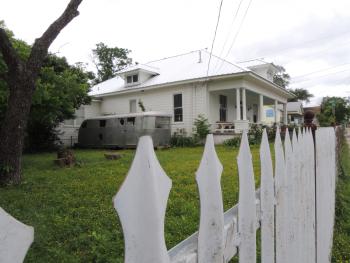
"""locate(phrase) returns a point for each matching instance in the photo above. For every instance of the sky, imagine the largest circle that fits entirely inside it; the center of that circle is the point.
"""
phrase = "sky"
(309, 38)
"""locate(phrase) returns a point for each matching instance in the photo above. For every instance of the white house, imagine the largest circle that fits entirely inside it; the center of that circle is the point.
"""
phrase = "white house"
(230, 95)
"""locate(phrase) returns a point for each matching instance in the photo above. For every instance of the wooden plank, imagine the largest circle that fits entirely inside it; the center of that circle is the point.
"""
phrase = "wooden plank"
(281, 202)
(247, 204)
(186, 251)
(141, 205)
(15, 238)
(267, 199)
(325, 191)
(211, 227)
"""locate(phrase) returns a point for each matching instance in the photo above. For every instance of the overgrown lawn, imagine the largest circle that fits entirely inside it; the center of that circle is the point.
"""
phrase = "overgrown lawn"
(71, 208)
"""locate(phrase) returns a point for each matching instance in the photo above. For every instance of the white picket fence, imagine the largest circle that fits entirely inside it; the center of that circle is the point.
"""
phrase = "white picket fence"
(294, 206)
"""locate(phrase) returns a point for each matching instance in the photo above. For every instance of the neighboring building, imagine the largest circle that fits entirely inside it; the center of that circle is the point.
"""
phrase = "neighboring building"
(295, 112)
(230, 95)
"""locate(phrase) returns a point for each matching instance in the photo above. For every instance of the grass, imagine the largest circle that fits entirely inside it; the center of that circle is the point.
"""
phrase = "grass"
(341, 241)
(71, 208)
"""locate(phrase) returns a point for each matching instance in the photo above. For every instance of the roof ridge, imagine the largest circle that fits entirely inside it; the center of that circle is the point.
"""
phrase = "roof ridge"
(174, 56)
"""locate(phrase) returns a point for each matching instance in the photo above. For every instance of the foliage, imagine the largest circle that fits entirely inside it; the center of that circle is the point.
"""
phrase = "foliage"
(281, 78)
(233, 142)
(60, 90)
(300, 95)
(201, 127)
(109, 60)
(142, 107)
(334, 110)
(341, 239)
(180, 140)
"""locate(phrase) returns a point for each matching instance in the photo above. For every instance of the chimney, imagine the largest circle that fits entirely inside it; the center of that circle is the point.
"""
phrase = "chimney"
(200, 56)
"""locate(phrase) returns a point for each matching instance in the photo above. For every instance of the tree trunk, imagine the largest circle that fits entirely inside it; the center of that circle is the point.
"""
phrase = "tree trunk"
(21, 77)
(13, 127)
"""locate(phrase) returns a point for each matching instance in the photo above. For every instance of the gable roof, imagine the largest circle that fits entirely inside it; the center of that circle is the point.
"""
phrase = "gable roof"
(295, 106)
(189, 66)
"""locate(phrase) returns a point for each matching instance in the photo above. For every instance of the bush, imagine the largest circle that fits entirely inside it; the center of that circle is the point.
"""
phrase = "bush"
(233, 142)
(201, 128)
(182, 141)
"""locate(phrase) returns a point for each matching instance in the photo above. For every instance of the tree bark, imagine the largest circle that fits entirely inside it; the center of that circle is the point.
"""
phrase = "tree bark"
(21, 78)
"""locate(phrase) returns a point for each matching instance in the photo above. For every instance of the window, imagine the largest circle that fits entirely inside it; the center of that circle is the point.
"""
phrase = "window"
(130, 121)
(162, 123)
(129, 79)
(102, 123)
(178, 111)
(121, 121)
(132, 106)
(132, 79)
(223, 108)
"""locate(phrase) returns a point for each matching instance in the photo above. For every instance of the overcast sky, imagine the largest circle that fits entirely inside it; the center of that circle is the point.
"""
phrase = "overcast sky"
(310, 38)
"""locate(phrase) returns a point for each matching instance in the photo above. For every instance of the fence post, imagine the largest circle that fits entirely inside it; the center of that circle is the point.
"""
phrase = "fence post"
(267, 199)
(247, 204)
(211, 228)
(141, 205)
(15, 238)
(325, 191)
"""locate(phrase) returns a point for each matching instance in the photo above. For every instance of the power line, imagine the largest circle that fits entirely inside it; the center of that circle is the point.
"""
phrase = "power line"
(317, 71)
(321, 76)
(239, 29)
(231, 27)
(212, 45)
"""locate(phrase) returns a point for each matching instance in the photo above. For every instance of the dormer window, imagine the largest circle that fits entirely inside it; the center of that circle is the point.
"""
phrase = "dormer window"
(132, 79)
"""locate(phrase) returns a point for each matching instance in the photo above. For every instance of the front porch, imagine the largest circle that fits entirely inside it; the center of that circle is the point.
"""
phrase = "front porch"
(234, 110)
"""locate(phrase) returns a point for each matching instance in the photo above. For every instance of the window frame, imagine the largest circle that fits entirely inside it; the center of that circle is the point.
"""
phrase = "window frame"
(131, 77)
(177, 108)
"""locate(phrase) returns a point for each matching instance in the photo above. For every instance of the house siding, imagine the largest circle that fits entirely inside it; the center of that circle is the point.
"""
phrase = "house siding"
(157, 100)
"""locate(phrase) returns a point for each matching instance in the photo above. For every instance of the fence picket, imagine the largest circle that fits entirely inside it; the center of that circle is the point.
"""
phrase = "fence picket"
(267, 197)
(141, 204)
(211, 228)
(15, 238)
(325, 191)
(247, 204)
(281, 201)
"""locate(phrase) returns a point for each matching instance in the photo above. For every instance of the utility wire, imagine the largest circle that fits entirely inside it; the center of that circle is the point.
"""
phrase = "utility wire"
(236, 35)
(228, 35)
(212, 45)
(321, 76)
(317, 71)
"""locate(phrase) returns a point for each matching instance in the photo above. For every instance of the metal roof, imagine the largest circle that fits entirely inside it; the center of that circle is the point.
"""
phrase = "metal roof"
(193, 65)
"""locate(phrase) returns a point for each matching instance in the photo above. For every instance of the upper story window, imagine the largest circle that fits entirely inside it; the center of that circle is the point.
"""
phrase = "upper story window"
(178, 111)
(132, 79)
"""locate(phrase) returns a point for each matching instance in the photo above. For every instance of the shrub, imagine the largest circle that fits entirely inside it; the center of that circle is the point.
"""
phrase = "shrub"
(182, 141)
(233, 142)
(201, 127)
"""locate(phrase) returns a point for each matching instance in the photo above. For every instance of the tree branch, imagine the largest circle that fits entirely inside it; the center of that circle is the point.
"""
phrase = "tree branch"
(42, 44)
(8, 52)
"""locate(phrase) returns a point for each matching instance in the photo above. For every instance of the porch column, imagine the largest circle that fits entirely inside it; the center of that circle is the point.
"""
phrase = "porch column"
(275, 108)
(244, 104)
(285, 114)
(261, 108)
(238, 105)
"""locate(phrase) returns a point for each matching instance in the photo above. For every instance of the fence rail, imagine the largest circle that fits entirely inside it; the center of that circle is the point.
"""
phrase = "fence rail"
(294, 206)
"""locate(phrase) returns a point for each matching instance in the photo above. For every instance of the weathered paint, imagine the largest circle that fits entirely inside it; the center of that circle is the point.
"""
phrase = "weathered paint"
(141, 204)
(267, 197)
(211, 227)
(247, 203)
(15, 239)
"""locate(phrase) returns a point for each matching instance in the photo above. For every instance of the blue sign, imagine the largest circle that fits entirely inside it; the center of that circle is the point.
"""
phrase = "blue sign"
(270, 113)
